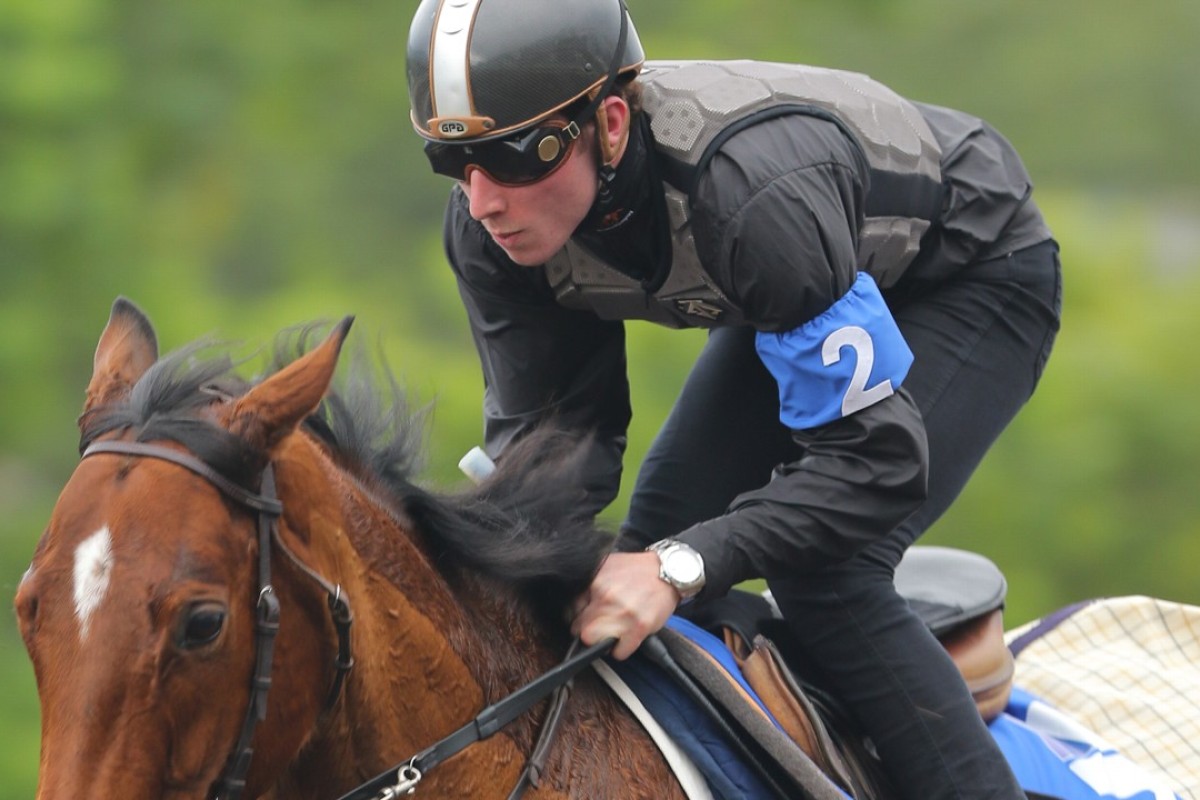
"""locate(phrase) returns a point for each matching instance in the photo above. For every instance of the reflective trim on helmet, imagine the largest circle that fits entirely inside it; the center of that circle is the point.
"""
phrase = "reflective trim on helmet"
(449, 62)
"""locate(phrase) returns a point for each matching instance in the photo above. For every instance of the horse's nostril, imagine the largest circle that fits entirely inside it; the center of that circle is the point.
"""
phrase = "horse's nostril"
(26, 604)
(27, 608)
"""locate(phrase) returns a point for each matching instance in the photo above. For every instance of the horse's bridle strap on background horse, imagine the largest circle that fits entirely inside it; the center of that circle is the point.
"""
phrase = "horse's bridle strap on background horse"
(233, 782)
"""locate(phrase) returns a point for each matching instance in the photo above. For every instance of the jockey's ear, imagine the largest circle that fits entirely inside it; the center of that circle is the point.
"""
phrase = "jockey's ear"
(273, 409)
(612, 129)
(127, 348)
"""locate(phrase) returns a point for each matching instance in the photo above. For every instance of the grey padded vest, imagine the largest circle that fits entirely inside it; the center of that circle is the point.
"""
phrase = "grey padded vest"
(693, 107)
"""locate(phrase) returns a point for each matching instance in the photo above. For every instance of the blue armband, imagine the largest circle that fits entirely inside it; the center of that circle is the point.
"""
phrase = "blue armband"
(850, 357)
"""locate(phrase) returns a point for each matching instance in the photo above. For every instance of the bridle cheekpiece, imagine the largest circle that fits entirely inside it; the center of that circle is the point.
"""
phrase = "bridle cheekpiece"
(232, 782)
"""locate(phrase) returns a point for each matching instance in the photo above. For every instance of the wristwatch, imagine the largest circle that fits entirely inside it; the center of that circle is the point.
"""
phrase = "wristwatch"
(681, 566)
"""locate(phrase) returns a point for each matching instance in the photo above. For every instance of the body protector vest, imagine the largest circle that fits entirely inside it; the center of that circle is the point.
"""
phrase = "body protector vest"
(694, 107)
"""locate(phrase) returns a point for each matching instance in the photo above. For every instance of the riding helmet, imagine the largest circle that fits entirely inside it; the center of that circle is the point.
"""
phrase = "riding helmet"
(481, 69)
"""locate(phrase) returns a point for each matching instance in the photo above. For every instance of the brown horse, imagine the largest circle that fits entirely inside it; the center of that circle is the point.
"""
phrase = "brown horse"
(139, 607)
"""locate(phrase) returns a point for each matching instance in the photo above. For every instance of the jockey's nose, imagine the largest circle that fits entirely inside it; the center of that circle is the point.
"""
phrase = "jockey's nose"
(485, 195)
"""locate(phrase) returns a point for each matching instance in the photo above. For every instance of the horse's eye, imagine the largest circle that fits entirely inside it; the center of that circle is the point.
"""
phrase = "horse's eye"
(202, 624)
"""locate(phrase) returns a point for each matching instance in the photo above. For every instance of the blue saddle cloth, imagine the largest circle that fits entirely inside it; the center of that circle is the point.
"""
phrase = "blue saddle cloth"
(1049, 754)
(726, 773)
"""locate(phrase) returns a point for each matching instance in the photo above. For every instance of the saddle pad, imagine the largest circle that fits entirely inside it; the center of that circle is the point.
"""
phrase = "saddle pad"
(692, 781)
(710, 664)
(691, 730)
(1126, 668)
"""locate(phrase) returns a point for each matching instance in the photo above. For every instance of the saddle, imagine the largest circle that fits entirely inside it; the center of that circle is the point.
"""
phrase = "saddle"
(958, 595)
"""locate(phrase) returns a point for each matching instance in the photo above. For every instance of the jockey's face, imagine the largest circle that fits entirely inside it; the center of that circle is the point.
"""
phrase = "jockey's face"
(533, 221)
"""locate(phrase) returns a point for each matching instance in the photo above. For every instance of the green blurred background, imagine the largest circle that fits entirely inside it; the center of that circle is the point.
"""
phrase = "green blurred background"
(238, 167)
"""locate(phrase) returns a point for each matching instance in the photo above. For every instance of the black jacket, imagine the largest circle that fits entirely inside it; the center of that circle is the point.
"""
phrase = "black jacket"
(775, 214)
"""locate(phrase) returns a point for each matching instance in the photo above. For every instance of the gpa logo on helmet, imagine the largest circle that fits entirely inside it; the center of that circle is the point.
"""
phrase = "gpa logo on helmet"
(452, 128)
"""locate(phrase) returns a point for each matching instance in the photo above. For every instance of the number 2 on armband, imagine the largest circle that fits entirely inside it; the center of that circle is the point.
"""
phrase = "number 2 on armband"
(857, 396)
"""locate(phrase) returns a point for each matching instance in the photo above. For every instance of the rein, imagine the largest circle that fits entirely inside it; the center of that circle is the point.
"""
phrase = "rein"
(232, 783)
(403, 778)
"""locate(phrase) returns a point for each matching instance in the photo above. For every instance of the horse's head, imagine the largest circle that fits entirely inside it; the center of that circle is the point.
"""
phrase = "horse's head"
(139, 609)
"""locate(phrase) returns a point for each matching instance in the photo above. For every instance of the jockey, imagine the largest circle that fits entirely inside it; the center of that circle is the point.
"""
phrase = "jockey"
(881, 292)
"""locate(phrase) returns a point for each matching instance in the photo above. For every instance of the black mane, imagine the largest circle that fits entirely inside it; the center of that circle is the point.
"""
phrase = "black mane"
(521, 526)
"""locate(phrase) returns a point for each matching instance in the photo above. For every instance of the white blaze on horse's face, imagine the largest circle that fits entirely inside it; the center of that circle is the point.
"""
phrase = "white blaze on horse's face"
(93, 566)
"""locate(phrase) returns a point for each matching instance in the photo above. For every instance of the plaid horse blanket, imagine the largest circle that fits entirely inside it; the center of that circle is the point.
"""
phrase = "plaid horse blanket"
(1128, 668)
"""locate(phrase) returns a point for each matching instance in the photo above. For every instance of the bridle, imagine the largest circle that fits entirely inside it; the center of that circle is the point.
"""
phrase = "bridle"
(232, 782)
(403, 778)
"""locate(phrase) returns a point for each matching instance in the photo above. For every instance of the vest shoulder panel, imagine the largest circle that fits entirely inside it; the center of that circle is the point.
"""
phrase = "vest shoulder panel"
(696, 105)
(691, 102)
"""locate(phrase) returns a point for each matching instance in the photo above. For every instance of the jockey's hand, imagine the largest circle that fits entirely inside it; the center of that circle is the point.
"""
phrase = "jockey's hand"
(627, 600)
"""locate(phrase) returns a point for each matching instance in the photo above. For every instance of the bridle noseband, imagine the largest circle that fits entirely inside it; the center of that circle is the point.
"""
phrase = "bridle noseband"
(232, 782)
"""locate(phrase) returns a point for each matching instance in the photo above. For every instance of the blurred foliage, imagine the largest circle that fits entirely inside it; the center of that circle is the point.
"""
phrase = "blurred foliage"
(237, 168)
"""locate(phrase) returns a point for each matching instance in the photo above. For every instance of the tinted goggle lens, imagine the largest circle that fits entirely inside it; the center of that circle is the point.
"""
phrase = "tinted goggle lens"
(516, 160)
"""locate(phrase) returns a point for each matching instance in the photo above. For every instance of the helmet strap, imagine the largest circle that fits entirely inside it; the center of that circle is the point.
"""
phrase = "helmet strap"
(622, 188)
(614, 71)
(607, 153)
(607, 174)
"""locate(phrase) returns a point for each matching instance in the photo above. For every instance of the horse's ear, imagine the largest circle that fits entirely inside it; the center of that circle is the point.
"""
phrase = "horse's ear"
(274, 408)
(126, 350)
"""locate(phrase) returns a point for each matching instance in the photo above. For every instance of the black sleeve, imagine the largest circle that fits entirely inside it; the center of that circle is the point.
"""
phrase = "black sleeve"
(856, 480)
(777, 216)
(541, 362)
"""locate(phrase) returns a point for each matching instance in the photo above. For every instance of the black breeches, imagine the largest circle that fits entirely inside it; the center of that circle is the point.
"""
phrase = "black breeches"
(980, 341)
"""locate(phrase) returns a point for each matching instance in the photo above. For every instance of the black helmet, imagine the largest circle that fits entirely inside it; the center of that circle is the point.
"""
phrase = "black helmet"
(480, 69)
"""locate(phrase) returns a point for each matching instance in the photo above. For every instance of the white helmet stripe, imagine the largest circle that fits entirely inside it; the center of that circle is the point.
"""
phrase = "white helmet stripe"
(450, 60)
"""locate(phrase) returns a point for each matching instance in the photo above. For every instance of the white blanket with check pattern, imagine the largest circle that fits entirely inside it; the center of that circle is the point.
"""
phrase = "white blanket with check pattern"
(1129, 669)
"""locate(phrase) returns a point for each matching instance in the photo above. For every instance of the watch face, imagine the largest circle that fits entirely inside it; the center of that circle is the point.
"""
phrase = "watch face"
(683, 567)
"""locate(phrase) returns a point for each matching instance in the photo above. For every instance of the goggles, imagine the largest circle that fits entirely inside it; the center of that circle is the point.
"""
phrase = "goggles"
(517, 160)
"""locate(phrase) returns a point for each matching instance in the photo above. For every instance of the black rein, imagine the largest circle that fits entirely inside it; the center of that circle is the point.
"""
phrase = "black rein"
(403, 778)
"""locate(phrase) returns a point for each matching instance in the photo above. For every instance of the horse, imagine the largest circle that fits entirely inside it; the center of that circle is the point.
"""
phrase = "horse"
(243, 592)
(216, 524)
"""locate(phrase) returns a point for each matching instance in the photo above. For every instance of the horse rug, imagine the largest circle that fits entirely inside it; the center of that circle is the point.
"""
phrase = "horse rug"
(1127, 668)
